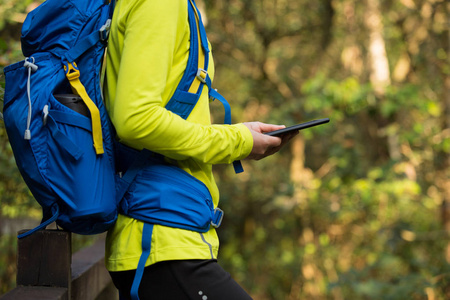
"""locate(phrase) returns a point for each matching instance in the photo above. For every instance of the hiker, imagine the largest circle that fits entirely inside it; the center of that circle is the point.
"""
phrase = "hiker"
(148, 51)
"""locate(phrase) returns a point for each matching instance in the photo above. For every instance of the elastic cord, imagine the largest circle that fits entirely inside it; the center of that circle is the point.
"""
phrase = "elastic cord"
(31, 67)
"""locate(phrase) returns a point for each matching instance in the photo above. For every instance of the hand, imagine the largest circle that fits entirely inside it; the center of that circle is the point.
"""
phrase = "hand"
(265, 145)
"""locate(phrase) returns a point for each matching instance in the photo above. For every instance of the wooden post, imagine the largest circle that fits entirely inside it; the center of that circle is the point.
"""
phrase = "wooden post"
(89, 275)
(46, 269)
(44, 259)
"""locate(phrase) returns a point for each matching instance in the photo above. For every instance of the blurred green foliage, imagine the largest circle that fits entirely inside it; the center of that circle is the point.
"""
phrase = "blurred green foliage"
(355, 209)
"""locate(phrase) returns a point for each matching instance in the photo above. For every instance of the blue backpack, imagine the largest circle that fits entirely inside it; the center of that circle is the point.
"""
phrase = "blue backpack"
(62, 138)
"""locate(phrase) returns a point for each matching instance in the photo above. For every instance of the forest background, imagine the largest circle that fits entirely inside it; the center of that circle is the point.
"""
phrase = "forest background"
(355, 209)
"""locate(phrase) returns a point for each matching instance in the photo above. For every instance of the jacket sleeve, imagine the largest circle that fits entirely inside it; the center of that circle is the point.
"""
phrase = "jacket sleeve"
(150, 56)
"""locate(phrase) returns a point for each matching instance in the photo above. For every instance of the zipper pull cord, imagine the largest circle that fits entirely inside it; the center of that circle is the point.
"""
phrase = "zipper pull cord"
(31, 67)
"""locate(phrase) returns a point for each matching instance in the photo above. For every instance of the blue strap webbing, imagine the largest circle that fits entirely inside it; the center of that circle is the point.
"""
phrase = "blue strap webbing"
(189, 74)
(213, 94)
(181, 98)
(202, 34)
(71, 119)
(70, 147)
(82, 47)
(88, 42)
(42, 225)
(112, 5)
(238, 168)
(146, 248)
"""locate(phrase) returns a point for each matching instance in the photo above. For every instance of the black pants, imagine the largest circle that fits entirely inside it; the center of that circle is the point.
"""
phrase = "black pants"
(180, 280)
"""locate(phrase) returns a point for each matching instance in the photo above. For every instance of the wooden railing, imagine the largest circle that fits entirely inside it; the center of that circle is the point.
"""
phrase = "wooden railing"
(46, 269)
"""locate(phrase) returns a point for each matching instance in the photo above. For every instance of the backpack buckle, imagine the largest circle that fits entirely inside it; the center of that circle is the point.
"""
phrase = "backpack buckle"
(104, 31)
(72, 71)
(202, 75)
(217, 217)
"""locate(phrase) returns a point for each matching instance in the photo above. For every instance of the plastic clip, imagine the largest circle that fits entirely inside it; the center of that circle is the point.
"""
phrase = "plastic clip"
(72, 71)
(30, 64)
(217, 218)
(202, 75)
(45, 116)
(104, 31)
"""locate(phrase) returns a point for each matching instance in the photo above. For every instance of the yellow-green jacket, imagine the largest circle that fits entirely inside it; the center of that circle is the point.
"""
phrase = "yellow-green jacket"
(147, 53)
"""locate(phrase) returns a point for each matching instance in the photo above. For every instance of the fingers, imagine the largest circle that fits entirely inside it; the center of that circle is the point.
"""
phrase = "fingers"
(269, 127)
(263, 127)
(265, 145)
(271, 149)
(284, 140)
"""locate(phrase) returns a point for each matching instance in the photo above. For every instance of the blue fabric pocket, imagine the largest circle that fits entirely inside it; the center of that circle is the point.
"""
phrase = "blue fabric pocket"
(165, 194)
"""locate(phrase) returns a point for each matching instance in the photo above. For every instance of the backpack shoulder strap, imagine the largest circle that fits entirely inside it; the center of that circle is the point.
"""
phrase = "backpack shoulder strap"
(196, 75)
(190, 88)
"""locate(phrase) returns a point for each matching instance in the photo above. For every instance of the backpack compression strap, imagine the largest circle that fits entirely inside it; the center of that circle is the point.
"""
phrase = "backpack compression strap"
(44, 224)
(73, 75)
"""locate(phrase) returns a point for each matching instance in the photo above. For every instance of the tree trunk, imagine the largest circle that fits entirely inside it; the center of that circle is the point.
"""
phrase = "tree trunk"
(379, 66)
(379, 76)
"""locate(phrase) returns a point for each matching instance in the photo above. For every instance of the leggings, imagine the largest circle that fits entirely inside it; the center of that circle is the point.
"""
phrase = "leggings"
(181, 280)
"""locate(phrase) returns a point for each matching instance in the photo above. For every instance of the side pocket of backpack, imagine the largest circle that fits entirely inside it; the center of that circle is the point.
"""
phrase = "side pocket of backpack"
(83, 180)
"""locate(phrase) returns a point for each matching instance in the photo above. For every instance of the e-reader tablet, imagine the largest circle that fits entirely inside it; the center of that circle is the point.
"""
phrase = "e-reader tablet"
(298, 127)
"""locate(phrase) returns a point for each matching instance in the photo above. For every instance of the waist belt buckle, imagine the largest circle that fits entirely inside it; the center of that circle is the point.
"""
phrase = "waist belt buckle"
(217, 218)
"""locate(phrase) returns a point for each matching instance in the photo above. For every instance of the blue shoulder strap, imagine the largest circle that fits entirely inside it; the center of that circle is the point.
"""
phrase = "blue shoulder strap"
(187, 95)
(184, 98)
